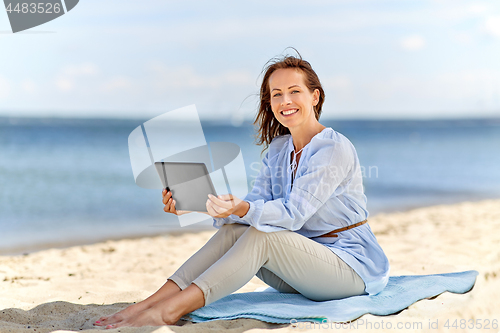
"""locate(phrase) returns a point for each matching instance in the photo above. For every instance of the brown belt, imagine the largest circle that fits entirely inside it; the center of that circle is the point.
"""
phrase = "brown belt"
(333, 233)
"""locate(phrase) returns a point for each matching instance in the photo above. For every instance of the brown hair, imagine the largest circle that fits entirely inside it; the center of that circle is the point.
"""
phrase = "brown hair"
(268, 126)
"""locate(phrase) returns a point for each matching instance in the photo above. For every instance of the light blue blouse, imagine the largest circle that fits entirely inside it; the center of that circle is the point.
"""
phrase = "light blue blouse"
(327, 194)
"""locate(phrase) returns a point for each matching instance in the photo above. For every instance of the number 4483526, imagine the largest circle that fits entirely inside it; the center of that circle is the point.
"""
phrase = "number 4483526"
(472, 323)
(47, 8)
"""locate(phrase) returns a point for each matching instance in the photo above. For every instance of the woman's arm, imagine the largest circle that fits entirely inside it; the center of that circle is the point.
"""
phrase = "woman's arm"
(261, 191)
(324, 171)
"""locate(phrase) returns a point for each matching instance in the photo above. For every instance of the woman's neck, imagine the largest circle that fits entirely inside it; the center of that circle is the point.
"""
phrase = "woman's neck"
(302, 136)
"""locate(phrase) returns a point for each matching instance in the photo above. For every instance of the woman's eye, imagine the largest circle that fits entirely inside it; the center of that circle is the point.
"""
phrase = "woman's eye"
(276, 95)
(295, 91)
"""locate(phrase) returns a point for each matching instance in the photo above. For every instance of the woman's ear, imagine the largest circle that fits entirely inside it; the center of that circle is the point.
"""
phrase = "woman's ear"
(316, 95)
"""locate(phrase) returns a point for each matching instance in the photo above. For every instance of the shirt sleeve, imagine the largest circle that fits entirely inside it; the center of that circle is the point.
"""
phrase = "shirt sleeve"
(324, 169)
(261, 191)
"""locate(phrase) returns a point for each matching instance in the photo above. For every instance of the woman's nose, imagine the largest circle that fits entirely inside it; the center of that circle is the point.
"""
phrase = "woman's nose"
(286, 100)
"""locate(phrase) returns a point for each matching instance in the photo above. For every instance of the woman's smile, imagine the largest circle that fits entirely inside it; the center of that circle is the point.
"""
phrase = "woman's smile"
(289, 112)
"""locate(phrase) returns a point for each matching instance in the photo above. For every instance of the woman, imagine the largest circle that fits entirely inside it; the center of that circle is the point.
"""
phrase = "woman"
(290, 230)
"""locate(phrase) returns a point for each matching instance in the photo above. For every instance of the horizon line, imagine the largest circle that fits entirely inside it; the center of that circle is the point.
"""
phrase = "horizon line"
(229, 121)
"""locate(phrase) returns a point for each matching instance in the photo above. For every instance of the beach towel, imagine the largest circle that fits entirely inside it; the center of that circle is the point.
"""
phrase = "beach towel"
(275, 307)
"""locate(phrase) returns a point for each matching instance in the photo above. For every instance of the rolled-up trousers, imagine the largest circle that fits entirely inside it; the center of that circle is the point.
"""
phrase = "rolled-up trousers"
(285, 260)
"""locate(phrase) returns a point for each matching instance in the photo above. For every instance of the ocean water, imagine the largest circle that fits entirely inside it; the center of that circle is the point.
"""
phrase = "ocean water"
(69, 181)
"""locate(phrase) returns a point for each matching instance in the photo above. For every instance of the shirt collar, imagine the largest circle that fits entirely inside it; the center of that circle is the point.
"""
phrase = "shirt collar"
(320, 134)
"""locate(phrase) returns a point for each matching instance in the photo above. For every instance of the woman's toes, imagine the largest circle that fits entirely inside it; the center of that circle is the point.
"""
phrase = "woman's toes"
(103, 321)
(100, 322)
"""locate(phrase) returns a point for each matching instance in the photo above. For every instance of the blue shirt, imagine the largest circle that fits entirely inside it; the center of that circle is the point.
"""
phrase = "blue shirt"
(327, 194)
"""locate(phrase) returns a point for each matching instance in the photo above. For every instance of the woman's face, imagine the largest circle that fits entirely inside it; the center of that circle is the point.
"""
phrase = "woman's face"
(291, 101)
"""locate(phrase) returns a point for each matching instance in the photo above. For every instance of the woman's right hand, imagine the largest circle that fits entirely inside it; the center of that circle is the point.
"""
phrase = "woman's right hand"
(169, 203)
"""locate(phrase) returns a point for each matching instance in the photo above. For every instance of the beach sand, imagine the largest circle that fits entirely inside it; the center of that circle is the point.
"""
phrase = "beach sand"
(68, 289)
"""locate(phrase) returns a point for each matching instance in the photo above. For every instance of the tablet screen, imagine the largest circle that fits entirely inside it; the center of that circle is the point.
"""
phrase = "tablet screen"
(190, 184)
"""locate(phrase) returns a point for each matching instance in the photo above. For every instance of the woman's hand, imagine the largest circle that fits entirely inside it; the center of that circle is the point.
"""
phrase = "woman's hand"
(169, 203)
(225, 205)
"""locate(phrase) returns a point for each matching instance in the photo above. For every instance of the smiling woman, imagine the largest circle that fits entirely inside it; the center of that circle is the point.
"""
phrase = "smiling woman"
(302, 76)
(302, 228)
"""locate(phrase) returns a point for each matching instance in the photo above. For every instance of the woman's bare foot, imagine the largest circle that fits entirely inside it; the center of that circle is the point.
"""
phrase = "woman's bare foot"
(124, 314)
(168, 311)
(168, 290)
(154, 316)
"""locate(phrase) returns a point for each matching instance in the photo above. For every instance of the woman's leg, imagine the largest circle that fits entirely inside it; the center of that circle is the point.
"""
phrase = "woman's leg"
(275, 281)
(307, 266)
(303, 264)
(212, 251)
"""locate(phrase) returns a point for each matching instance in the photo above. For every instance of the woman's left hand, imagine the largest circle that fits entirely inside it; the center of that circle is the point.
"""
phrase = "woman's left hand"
(225, 205)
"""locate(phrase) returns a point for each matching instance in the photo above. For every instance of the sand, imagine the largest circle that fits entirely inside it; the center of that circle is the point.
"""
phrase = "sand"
(68, 289)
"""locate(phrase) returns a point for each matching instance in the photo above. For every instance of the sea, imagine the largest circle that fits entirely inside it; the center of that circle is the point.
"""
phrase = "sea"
(69, 181)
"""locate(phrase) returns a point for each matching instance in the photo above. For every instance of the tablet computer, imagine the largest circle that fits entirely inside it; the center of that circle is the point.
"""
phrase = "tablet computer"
(190, 184)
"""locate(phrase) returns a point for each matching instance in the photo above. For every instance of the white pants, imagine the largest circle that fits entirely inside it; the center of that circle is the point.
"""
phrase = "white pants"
(285, 260)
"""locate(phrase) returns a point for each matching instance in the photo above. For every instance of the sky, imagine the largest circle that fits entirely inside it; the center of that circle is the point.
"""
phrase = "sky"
(399, 59)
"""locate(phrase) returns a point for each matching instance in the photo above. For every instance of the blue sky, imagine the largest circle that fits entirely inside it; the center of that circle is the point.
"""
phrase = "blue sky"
(376, 59)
